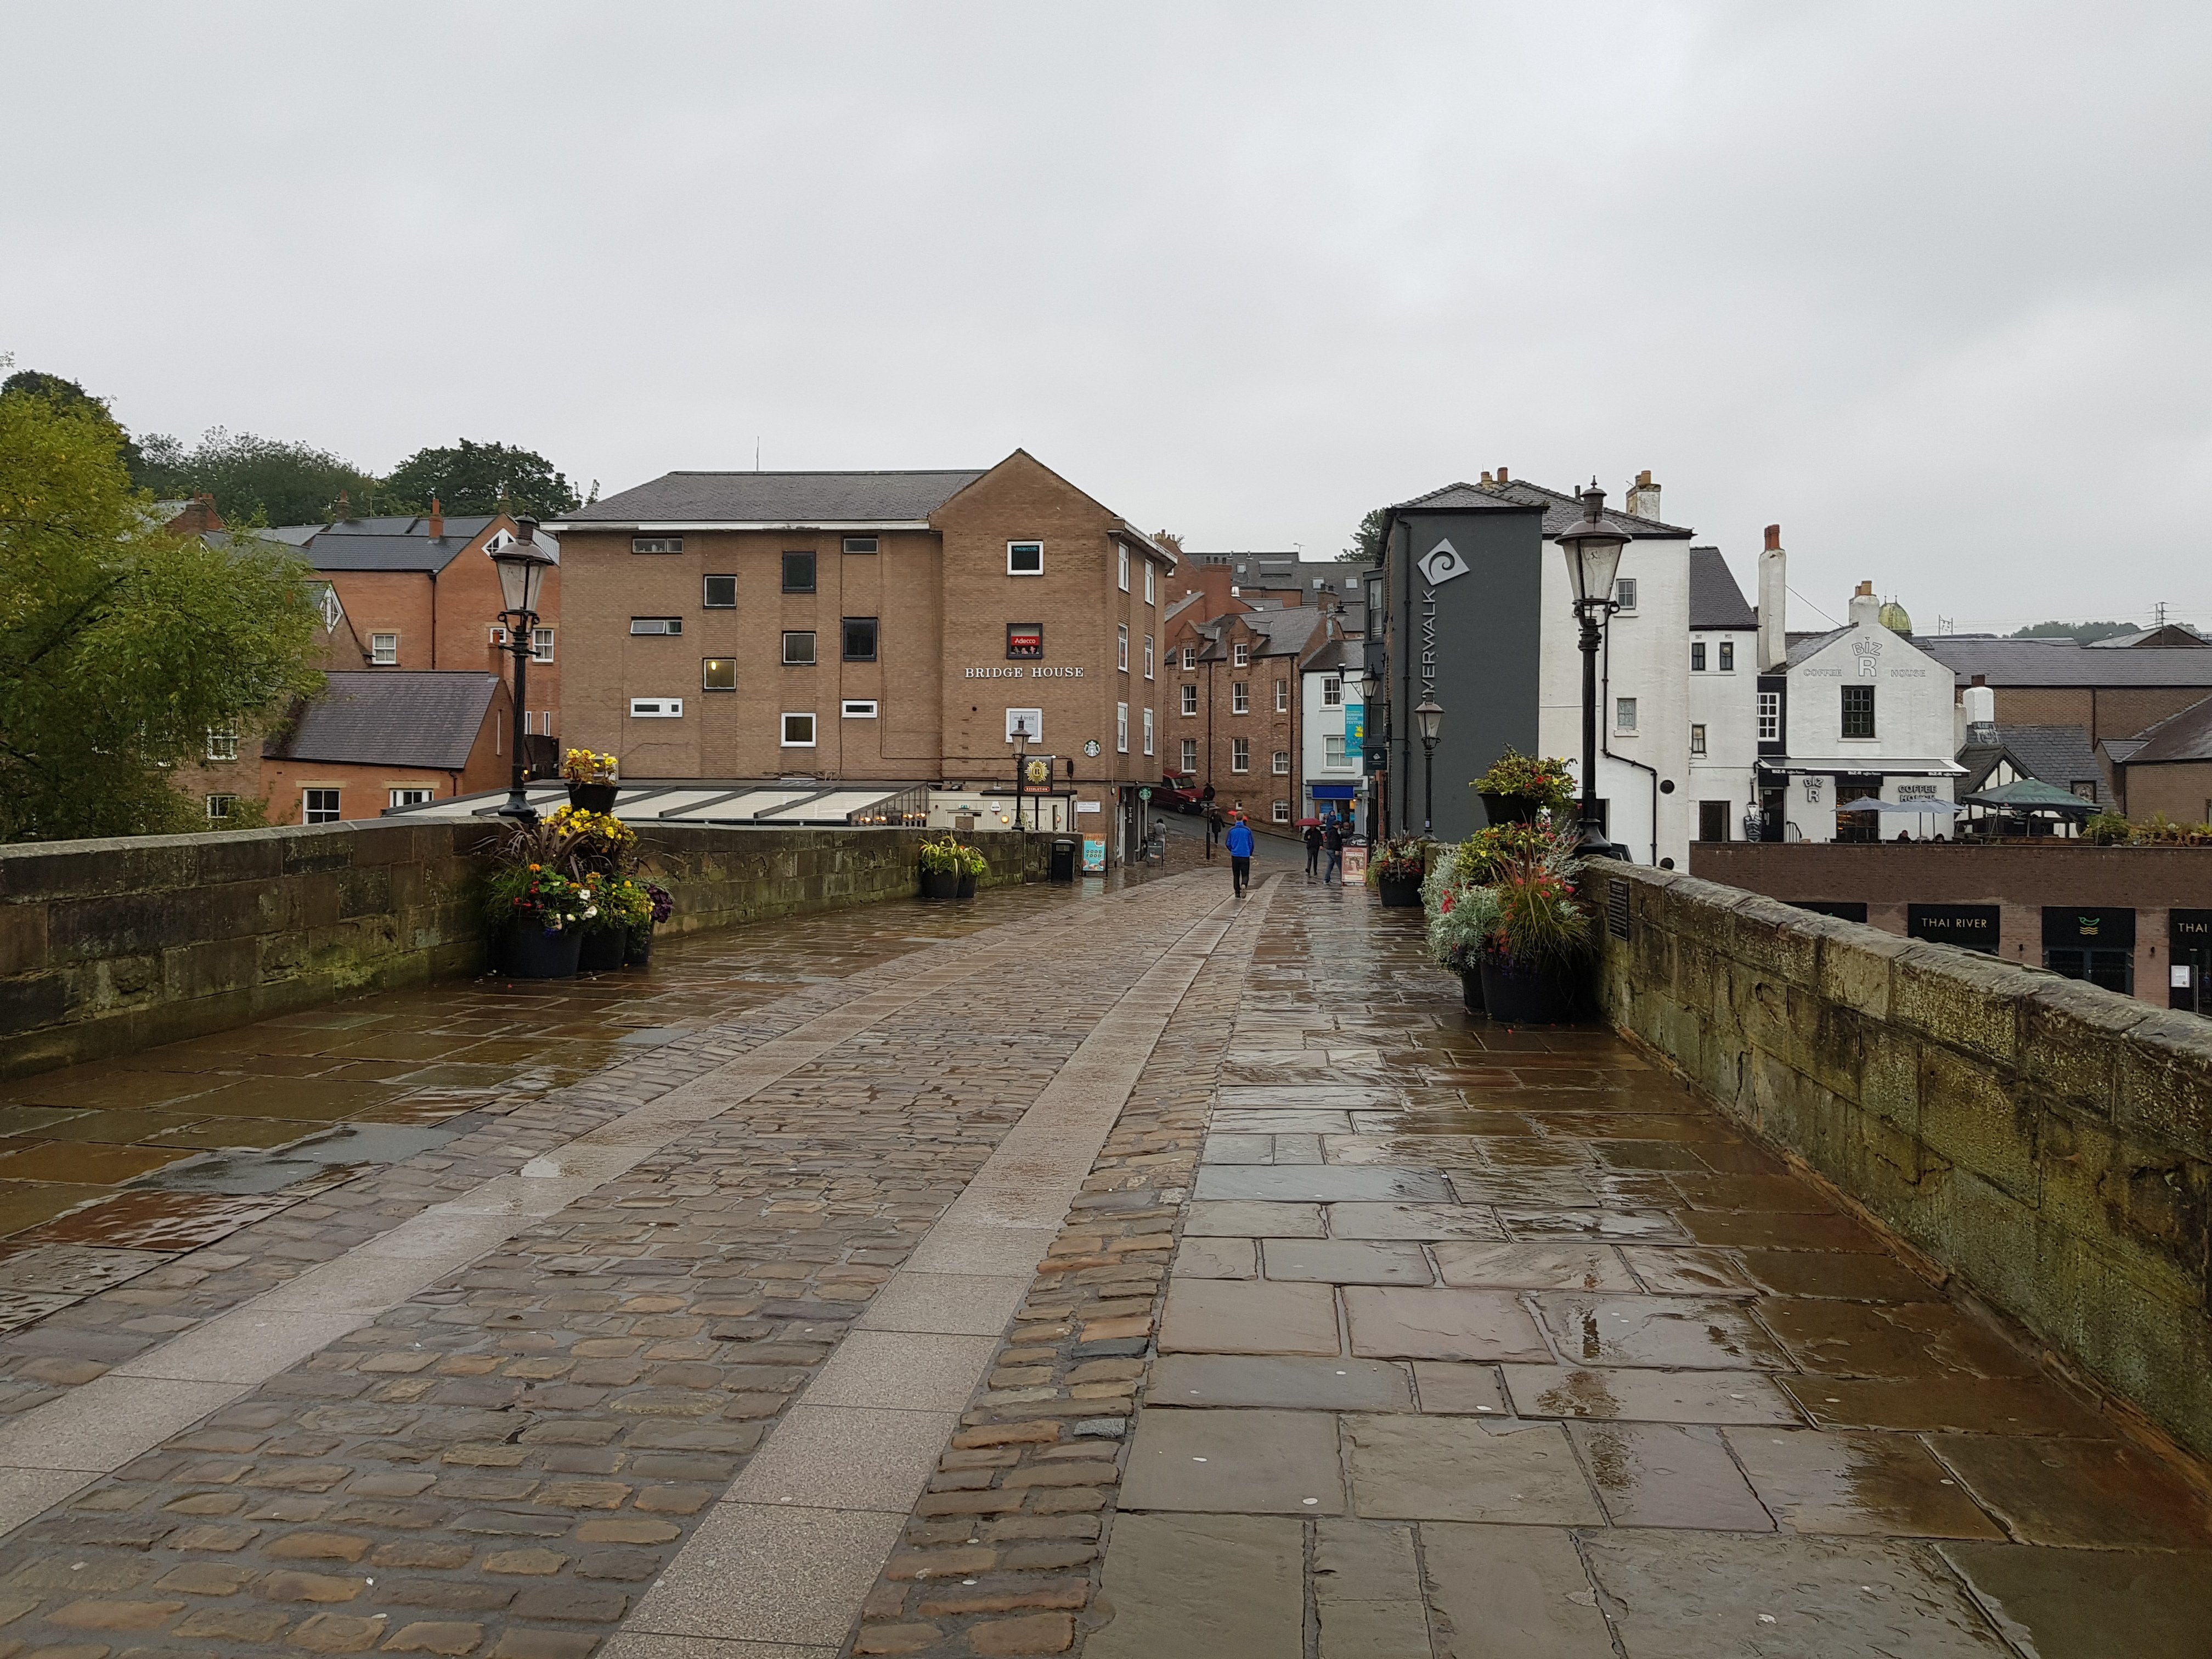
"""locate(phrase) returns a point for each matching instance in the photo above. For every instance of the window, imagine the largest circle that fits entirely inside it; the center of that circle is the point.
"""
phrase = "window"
(1240, 697)
(656, 544)
(1770, 717)
(218, 807)
(1624, 592)
(319, 807)
(1858, 711)
(798, 649)
(1148, 731)
(541, 644)
(1282, 762)
(1025, 558)
(1697, 740)
(1623, 714)
(384, 649)
(859, 543)
(1121, 647)
(1190, 698)
(1696, 656)
(1120, 728)
(863, 709)
(222, 745)
(1282, 697)
(1713, 820)
(1727, 656)
(1239, 655)
(656, 624)
(656, 709)
(1190, 757)
(859, 639)
(412, 797)
(1282, 812)
(721, 593)
(798, 729)
(1124, 551)
(1332, 691)
(1025, 640)
(1027, 723)
(1240, 754)
(1149, 574)
(719, 674)
(1331, 750)
(1190, 656)
(799, 573)
(1148, 656)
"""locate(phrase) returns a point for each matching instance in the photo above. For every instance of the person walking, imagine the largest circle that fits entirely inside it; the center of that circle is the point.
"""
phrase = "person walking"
(1238, 840)
(1313, 849)
(1334, 841)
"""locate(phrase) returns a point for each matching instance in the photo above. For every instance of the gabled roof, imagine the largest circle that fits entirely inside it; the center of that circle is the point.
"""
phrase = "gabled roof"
(1290, 629)
(403, 542)
(1802, 646)
(1464, 498)
(2063, 663)
(2177, 635)
(1517, 496)
(1715, 599)
(389, 717)
(2186, 736)
(781, 498)
(2060, 755)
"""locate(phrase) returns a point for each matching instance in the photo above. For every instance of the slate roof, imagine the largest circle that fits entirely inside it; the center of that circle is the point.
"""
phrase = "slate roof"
(2186, 736)
(389, 717)
(1715, 601)
(2043, 662)
(2173, 635)
(2060, 755)
(1802, 646)
(1518, 495)
(778, 498)
(401, 543)
(1289, 629)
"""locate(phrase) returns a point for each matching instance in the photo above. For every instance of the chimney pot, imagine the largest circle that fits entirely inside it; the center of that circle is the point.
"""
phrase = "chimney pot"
(1981, 679)
(1643, 479)
(1774, 538)
(1486, 477)
(1863, 590)
(1502, 477)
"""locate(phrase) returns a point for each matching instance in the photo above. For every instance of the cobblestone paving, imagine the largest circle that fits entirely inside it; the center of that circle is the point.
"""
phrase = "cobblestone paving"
(499, 1463)
(1442, 1338)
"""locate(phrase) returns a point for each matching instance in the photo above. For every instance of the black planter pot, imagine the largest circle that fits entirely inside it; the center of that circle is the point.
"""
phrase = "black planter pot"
(1399, 893)
(637, 947)
(528, 952)
(603, 949)
(1470, 989)
(967, 887)
(594, 796)
(940, 883)
(1511, 808)
(1514, 995)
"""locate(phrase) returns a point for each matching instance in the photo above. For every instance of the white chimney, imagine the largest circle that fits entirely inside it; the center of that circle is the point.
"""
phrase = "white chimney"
(1643, 496)
(1773, 603)
(1866, 609)
(1981, 704)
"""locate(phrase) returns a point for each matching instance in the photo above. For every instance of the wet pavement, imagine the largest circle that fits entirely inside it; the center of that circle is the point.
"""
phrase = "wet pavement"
(742, 1310)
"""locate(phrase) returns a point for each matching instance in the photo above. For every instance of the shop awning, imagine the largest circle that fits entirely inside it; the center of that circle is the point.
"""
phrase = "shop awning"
(1336, 792)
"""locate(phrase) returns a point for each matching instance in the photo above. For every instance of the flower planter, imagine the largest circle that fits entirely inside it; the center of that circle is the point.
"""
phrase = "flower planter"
(528, 952)
(637, 947)
(1399, 893)
(1515, 995)
(967, 887)
(1470, 989)
(940, 883)
(603, 949)
(594, 796)
(1511, 808)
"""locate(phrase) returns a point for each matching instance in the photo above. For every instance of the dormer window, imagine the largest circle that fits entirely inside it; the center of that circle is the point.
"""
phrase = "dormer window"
(1240, 654)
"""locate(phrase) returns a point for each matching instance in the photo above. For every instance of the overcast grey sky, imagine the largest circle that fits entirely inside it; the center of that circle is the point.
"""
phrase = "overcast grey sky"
(1927, 283)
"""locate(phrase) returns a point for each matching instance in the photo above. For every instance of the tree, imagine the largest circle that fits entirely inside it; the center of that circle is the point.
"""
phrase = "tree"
(473, 477)
(1367, 540)
(256, 479)
(120, 645)
(70, 394)
(2081, 633)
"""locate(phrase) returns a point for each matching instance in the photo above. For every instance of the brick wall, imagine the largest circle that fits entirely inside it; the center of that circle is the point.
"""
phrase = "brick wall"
(2048, 1143)
(110, 946)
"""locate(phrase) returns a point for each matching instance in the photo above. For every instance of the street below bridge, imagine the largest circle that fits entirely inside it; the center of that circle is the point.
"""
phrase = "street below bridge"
(1124, 1270)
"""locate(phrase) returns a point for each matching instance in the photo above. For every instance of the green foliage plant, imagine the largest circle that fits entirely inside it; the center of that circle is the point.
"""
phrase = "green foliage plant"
(1463, 926)
(1477, 859)
(1406, 860)
(472, 477)
(1542, 921)
(2108, 829)
(973, 863)
(1545, 780)
(942, 858)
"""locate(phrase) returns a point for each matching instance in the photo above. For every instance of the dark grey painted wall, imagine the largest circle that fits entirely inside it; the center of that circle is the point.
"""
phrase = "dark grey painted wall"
(1486, 646)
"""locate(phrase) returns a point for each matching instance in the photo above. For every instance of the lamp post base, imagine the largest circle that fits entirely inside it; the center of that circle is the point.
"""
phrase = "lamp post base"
(1593, 844)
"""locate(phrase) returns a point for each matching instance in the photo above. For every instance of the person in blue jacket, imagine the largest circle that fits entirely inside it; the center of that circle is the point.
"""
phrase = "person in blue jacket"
(1239, 844)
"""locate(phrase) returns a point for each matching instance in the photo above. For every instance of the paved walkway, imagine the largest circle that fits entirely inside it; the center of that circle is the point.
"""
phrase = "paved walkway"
(885, 1304)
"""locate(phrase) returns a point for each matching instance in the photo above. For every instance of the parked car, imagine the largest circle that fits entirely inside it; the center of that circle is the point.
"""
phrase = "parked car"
(1179, 791)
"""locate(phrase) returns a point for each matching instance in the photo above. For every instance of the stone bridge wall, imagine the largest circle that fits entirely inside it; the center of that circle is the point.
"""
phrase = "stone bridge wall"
(2048, 1142)
(110, 946)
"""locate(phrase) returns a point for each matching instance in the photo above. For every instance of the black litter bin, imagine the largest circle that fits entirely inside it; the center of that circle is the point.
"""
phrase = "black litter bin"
(1063, 860)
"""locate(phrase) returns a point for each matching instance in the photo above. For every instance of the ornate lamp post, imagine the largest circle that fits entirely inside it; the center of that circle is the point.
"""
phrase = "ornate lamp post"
(1593, 546)
(1429, 717)
(522, 567)
(1021, 770)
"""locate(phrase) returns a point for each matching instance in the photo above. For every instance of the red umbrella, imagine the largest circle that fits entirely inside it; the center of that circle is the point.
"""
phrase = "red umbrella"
(1305, 822)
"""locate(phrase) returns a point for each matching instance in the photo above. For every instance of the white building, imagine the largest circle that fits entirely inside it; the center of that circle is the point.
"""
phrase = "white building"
(1330, 761)
(1723, 670)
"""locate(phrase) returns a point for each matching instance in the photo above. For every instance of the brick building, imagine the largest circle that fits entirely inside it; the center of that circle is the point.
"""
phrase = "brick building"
(871, 626)
(1234, 718)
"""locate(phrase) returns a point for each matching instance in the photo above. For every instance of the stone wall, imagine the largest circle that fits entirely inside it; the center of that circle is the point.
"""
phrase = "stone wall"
(2048, 1142)
(110, 946)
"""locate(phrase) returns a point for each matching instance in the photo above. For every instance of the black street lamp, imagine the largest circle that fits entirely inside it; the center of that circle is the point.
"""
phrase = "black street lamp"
(522, 567)
(1021, 768)
(1429, 716)
(1593, 545)
(1375, 682)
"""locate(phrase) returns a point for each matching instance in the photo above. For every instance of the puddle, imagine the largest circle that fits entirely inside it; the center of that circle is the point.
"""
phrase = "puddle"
(348, 1147)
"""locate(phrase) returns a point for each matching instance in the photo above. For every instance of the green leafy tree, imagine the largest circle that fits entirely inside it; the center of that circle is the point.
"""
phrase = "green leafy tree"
(473, 477)
(69, 393)
(1366, 541)
(257, 480)
(120, 645)
(2083, 633)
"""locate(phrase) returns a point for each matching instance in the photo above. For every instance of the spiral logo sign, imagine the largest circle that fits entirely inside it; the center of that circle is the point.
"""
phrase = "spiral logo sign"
(1442, 563)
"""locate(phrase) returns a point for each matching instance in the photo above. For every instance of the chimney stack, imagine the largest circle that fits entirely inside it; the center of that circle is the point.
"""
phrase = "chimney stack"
(1773, 604)
(1487, 481)
(1502, 478)
(1643, 496)
(437, 522)
(1981, 709)
(1866, 609)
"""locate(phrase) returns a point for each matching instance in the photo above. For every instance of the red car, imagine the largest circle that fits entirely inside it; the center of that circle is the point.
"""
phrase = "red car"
(1180, 793)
